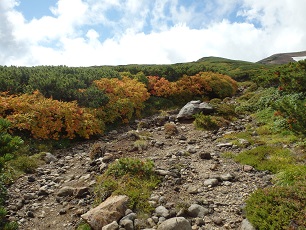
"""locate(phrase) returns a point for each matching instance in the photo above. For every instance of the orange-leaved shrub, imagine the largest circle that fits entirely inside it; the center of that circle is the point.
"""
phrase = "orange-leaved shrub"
(126, 97)
(46, 118)
(204, 83)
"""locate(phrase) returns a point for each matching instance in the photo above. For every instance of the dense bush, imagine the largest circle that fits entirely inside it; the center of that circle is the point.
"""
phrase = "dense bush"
(126, 98)
(188, 87)
(278, 207)
(46, 118)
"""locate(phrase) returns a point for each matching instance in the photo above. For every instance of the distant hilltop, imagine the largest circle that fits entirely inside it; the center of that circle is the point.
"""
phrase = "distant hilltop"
(283, 58)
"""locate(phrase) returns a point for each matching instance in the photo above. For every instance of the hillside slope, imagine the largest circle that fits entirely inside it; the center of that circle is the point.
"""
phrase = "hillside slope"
(281, 58)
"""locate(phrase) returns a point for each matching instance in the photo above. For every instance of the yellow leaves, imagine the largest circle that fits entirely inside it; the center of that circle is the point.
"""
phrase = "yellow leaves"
(47, 118)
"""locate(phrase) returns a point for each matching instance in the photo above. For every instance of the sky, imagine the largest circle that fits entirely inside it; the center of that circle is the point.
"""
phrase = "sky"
(119, 32)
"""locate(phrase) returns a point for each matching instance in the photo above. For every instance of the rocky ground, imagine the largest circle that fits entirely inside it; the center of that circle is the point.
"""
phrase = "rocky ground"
(195, 174)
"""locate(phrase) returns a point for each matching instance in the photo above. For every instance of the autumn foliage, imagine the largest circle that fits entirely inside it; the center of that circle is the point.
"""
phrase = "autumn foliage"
(205, 83)
(126, 97)
(46, 118)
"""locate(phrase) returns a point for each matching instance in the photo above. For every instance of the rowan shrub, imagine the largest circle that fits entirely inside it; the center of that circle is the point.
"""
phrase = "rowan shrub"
(126, 97)
(45, 118)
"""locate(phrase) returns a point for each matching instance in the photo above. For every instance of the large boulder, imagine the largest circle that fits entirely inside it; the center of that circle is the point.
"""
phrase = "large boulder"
(194, 107)
(112, 209)
(176, 223)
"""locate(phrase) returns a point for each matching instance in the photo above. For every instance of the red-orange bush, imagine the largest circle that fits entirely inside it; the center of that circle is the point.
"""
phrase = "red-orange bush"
(203, 83)
(126, 98)
(46, 118)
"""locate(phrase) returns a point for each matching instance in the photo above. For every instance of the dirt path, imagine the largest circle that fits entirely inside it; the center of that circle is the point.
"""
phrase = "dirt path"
(194, 172)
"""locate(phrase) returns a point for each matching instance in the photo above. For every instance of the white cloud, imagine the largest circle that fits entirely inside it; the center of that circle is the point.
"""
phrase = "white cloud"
(174, 32)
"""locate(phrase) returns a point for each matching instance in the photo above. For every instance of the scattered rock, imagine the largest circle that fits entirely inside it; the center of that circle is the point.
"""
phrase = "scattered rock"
(48, 157)
(176, 223)
(211, 182)
(192, 108)
(162, 211)
(246, 225)
(65, 191)
(196, 210)
(112, 209)
(112, 226)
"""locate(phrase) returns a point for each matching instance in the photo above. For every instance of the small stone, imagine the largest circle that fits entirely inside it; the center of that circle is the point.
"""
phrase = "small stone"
(81, 192)
(246, 225)
(151, 222)
(227, 177)
(211, 182)
(30, 214)
(31, 178)
(205, 155)
(196, 210)
(127, 224)
(247, 168)
(112, 226)
(65, 191)
(193, 190)
(176, 223)
(217, 220)
(162, 211)
(48, 158)
(62, 211)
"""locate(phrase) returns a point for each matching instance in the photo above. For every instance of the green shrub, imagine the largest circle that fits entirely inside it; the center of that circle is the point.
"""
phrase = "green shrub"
(266, 157)
(291, 175)
(293, 108)
(206, 122)
(131, 177)
(276, 207)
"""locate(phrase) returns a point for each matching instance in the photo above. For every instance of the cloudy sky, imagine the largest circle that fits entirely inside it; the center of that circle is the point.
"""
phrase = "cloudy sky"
(113, 32)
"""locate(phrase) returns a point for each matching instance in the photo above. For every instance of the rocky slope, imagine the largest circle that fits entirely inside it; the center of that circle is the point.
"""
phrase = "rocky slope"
(282, 58)
(190, 162)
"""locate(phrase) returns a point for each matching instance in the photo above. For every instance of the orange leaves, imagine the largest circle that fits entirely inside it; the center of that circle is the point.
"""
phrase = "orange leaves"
(126, 97)
(47, 118)
(204, 83)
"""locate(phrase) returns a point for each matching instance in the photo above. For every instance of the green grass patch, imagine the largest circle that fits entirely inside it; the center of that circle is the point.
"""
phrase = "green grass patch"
(131, 177)
(266, 157)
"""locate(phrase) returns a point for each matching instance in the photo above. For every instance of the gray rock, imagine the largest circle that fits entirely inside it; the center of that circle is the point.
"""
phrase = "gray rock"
(30, 214)
(65, 191)
(196, 210)
(246, 225)
(131, 216)
(112, 226)
(112, 209)
(193, 190)
(162, 211)
(192, 108)
(227, 177)
(127, 224)
(176, 223)
(211, 182)
(81, 192)
(48, 157)
(43, 191)
(217, 220)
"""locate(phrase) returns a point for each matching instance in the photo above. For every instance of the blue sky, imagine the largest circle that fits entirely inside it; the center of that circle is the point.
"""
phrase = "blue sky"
(112, 32)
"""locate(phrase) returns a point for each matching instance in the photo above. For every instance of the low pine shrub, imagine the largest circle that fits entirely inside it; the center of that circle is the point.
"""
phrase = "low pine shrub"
(278, 207)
